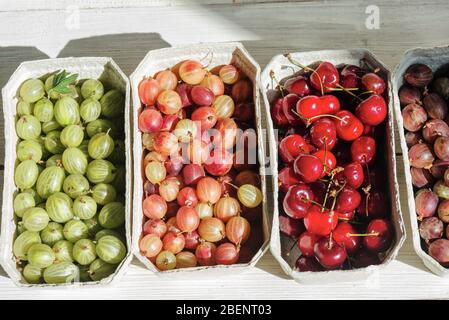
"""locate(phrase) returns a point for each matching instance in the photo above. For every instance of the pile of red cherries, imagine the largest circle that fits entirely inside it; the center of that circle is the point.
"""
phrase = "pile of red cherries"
(202, 200)
(333, 183)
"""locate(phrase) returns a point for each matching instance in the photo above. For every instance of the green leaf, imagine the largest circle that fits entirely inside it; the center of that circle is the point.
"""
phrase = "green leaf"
(62, 82)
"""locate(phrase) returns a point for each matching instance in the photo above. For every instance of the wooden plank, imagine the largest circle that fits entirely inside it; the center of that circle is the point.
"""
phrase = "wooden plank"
(23, 5)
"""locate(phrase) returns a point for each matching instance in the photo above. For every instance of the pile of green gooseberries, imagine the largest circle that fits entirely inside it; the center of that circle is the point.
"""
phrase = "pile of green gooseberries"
(70, 176)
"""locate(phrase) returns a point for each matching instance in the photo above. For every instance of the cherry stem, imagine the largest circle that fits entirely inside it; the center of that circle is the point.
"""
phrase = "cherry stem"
(324, 115)
(313, 202)
(373, 234)
(305, 120)
(296, 63)
(343, 89)
(293, 69)
(367, 189)
(329, 245)
(336, 196)
(325, 154)
(366, 92)
(273, 78)
(328, 189)
(348, 91)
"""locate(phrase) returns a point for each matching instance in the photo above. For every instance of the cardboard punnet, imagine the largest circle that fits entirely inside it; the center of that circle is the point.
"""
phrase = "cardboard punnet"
(280, 244)
(107, 71)
(213, 54)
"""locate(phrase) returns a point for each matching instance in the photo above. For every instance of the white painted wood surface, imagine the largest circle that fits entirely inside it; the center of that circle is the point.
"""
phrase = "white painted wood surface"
(35, 29)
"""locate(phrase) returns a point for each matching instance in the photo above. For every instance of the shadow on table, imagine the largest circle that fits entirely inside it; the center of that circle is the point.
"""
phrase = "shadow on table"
(10, 59)
(126, 49)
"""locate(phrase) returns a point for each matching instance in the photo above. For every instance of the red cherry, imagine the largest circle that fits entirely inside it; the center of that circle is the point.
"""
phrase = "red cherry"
(329, 253)
(277, 113)
(330, 104)
(372, 111)
(350, 68)
(287, 178)
(372, 82)
(352, 174)
(323, 134)
(349, 80)
(291, 227)
(377, 205)
(327, 159)
(382, 235)
(297, 85)
(346, 216)
(311, 106)
(295, 202)
(309, 168)
(306, 243)
(325, 76)
(348, 127)
(344, 236)
(320, 222)
(363, 149)
(288, 105)
(348, 199)
(291, 147)
(304, 264)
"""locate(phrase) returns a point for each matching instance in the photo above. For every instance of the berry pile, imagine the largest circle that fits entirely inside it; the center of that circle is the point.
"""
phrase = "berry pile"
(70, 178)
(423, 99)
(333, 199)
(202, 198)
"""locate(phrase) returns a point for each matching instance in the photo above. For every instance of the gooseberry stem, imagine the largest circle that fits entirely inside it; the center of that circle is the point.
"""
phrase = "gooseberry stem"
(232, 185)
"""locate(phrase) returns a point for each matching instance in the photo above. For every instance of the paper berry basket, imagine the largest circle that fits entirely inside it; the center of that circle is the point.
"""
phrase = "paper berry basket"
(161, 59)
(280, 244)
(102, 68)
(433, 58)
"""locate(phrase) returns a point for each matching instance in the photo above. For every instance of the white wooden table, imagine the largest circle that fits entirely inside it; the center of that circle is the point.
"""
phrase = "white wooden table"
(126, 31)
